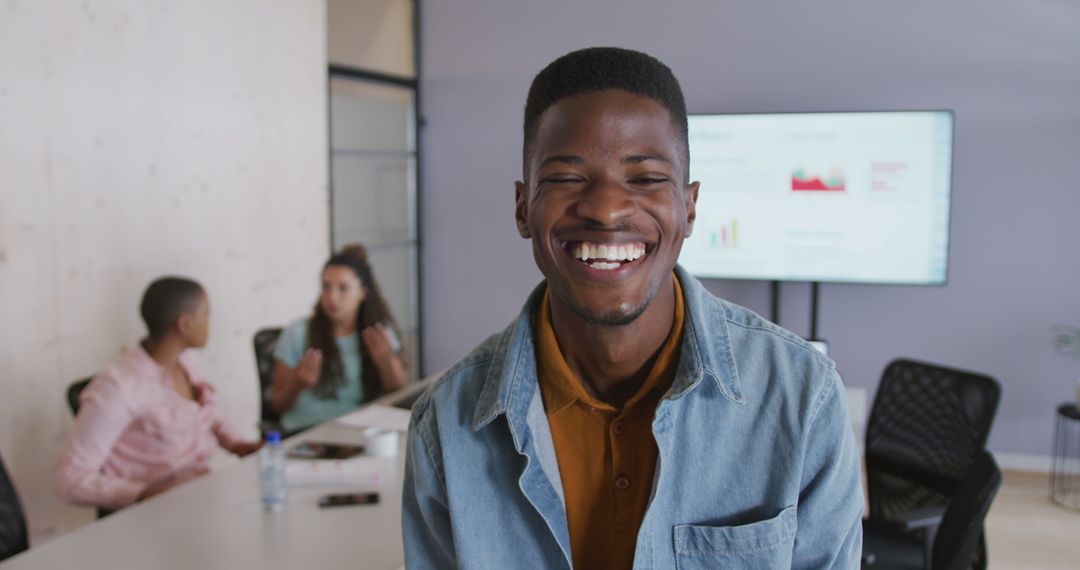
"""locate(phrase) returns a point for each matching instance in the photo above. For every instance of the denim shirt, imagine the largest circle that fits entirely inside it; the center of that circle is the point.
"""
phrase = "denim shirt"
(757, 466)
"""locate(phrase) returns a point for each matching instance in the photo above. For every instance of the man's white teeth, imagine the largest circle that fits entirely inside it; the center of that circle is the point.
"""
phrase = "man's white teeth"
(604, 265)
(608, 252)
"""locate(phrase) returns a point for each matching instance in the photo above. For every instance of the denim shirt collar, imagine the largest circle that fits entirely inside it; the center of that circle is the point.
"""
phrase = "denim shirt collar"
(511, 382)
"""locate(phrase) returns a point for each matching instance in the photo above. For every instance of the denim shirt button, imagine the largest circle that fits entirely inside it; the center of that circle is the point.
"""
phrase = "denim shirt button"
(622, 483)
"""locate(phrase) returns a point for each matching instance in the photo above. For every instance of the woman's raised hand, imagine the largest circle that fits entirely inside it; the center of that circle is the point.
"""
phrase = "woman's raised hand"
(310, 367)
(377, 342)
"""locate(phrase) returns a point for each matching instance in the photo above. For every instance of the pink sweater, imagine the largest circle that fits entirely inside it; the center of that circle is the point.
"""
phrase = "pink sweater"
(134, 429)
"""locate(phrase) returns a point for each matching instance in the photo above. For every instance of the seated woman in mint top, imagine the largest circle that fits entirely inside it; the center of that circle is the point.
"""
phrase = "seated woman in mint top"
(345, 354)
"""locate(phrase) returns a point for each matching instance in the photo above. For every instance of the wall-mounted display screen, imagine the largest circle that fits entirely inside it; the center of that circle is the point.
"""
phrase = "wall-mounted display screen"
(829, 197)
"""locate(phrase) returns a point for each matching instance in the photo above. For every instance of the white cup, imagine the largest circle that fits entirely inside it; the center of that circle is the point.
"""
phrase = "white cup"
(381, 443)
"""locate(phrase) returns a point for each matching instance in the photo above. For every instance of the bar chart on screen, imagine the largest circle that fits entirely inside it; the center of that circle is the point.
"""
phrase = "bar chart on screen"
(725, 236)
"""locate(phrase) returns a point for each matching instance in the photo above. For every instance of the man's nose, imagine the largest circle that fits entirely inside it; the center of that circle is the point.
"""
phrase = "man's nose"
(607, 202)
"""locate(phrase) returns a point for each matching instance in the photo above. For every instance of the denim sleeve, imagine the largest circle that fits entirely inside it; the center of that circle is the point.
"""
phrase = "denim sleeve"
(831, 499)
(429, 542)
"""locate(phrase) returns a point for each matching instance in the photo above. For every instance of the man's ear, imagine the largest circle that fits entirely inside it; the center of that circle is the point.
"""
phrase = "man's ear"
(521, 208)
(690, 195)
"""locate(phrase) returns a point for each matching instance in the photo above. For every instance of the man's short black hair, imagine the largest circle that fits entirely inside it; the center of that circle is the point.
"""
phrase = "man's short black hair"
(166, 299)
(601, 69)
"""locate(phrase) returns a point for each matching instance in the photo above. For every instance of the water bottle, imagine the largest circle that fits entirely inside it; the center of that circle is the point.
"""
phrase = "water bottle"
(273, 486)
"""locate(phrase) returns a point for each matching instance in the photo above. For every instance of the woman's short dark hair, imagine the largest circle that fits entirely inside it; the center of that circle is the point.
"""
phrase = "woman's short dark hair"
(167, 298)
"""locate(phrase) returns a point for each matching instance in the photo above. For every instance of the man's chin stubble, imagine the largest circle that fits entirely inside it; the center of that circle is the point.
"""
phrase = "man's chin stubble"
(610, 318)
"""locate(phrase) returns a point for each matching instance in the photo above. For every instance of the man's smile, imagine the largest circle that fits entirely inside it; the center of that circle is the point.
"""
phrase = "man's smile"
(606, 255)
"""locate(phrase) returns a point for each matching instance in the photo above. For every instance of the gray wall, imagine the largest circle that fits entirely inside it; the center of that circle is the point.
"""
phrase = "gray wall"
(1010, 70)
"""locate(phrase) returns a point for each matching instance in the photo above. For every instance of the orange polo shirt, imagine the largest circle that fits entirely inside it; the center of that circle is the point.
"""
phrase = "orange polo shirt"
(607, 456)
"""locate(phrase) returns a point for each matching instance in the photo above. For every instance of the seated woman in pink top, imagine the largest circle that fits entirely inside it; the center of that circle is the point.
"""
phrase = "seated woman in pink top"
(148, 422)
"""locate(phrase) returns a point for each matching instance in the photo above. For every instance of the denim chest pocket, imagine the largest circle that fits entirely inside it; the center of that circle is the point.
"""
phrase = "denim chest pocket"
(762, 544)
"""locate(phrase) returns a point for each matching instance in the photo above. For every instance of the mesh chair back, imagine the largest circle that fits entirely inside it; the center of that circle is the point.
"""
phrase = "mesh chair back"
(961, 528)
(74, 391)
(13, 537)
(926, 427)
(265, 341)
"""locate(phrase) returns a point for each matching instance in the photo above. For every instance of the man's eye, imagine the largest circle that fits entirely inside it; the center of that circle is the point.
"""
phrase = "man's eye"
(562, 180)
(648, 180)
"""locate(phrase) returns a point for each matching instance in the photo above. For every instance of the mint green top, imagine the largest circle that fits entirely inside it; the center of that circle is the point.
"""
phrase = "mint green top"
(310, 409)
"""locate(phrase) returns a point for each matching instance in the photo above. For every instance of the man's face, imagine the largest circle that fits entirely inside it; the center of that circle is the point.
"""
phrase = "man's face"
(606, 203)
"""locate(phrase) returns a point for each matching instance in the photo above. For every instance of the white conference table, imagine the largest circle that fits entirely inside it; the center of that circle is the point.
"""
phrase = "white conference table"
(217, 521)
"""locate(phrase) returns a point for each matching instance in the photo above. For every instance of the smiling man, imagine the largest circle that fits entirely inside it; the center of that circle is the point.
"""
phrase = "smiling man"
(627, 418)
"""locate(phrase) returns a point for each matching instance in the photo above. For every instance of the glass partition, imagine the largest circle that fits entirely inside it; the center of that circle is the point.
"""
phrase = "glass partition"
(373, 190)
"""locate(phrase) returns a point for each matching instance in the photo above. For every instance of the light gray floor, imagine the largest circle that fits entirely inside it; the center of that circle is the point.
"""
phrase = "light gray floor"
(1026, 531)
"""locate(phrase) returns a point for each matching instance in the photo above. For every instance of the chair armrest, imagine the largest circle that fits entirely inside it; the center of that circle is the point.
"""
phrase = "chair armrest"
(922, 517)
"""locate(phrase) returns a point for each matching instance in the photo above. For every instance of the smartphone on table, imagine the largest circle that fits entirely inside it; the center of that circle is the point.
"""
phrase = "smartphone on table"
(324, 450)
(348, 499)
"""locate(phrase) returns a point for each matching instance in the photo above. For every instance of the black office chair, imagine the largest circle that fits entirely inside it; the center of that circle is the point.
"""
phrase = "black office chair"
(265, 341)
(927, 426)
(13, 535)
(74, 391)
(958, 536)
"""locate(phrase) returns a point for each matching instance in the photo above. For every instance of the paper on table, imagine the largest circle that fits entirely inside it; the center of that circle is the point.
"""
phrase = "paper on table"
(378, 416)
(360, 471)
